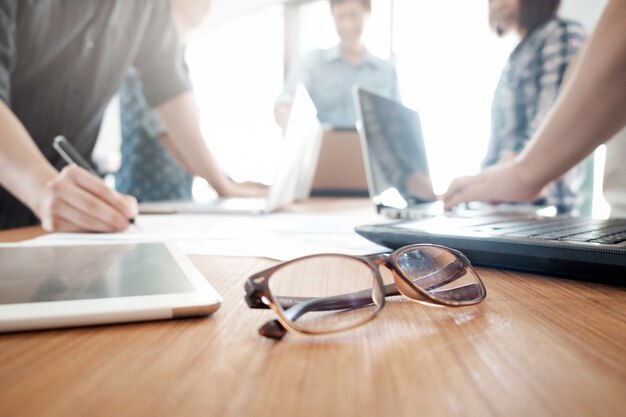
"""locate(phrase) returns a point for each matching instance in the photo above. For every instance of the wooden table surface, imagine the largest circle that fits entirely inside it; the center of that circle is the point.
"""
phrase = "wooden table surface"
(537, 346)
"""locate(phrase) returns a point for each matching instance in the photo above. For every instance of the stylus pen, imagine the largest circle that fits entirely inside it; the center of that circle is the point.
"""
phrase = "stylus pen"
(73, 157)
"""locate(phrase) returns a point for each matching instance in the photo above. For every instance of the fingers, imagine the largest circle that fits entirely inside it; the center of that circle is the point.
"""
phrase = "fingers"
(257, 190)
(97, 187)
(131, 202)
(459, 192)
(456, 199)
(87, 212)
(69, 219)
(78, 201)
(245, 189)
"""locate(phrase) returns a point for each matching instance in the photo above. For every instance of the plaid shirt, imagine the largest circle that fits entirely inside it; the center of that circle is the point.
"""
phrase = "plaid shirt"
(527, 89)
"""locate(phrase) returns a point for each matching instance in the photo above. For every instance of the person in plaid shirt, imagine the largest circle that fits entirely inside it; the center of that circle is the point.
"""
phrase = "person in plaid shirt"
(530, 83)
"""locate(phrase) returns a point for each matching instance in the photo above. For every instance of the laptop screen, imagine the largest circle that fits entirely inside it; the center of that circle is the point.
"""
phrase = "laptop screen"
(394, 150)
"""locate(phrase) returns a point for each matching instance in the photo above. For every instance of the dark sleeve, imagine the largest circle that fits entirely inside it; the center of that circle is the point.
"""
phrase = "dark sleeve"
(160, 58)
(8, 12)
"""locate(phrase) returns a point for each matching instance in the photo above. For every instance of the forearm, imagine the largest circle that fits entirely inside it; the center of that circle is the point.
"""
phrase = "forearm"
(168, 143)
(23, 169)
(590, 108)
(185, 140)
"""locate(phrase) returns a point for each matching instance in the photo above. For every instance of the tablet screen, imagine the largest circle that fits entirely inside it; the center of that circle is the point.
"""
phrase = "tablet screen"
(59, 273)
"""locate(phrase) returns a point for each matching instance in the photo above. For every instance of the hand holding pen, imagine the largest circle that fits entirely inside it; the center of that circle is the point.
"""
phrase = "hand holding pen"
(78, 200)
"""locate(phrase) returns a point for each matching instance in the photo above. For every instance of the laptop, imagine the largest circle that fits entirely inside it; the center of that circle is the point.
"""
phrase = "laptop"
(340, 169)
(294, 173)
(514, 238)
(45, 286)
(395, 157)
(397, 167)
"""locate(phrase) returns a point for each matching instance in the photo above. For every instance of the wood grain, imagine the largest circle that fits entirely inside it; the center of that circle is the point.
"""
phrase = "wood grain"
(537, 346)
(23, 233)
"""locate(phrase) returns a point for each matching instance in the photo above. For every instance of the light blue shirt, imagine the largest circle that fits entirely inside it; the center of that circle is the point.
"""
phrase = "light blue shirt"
(329, 79)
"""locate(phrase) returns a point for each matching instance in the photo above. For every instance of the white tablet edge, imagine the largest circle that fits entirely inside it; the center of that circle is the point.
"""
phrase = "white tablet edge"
(204, 301)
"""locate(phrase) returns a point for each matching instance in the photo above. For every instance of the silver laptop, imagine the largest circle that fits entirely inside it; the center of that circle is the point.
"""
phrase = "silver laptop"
(294, 174)
(395, 157)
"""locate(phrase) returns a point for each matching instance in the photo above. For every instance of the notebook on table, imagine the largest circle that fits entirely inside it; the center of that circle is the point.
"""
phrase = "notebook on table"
(513, 237)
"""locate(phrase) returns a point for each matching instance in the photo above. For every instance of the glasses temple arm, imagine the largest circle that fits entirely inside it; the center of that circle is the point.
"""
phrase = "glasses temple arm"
(295, 310)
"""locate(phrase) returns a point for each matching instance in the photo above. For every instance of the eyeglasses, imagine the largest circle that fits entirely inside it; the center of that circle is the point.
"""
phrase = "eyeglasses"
(329, 293)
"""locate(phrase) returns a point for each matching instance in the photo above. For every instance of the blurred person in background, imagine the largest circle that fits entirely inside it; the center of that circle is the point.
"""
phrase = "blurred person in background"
(60, 63)
(590, 110)
(330, 74)
(151, 167)
(530, 83)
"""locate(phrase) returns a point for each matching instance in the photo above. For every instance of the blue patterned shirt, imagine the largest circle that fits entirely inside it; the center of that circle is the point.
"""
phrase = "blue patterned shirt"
(329, 79)
(527, 89)
(148, 171)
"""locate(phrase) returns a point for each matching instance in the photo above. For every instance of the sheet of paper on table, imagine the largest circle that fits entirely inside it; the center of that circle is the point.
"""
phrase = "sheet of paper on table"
(278, 236)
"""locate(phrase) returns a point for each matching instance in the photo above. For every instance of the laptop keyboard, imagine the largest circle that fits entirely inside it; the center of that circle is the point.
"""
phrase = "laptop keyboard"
(611, 231)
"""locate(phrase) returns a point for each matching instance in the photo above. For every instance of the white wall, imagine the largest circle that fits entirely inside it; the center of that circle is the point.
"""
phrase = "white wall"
(223, 9)
(585, 11)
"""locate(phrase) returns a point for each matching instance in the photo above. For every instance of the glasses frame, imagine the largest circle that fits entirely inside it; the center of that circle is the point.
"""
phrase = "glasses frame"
(259, 295)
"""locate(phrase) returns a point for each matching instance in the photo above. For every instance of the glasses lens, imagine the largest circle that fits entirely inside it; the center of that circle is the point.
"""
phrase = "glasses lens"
(326, 293)
(445, 276)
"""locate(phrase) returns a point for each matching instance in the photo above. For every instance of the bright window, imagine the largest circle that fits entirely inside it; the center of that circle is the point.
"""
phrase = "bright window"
(448, 65)
(236, 70)
(317, 30)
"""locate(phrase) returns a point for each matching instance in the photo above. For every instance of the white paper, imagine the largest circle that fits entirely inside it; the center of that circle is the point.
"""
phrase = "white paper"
(278, 236)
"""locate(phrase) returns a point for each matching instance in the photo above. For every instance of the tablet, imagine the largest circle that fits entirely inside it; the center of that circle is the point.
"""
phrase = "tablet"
(76, 285)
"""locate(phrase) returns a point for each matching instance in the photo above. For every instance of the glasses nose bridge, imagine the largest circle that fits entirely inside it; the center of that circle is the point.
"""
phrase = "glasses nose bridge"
(379, 259)
(384, 260)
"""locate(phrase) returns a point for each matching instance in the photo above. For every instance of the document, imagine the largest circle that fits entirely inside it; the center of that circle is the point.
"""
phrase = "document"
(279, 236)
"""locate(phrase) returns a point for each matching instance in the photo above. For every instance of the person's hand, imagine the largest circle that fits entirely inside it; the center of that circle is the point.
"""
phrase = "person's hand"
(502, 183)
(281, 114)
(243, 189)
(77, 201)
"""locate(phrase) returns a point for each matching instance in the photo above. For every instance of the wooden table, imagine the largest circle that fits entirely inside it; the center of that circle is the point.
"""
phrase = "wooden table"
(537, 346)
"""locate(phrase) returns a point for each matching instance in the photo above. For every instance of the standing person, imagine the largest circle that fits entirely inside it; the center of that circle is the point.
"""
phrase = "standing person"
(148, 169)
(60, 63)
(589, 111)
(530, 83)
(330, 74)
